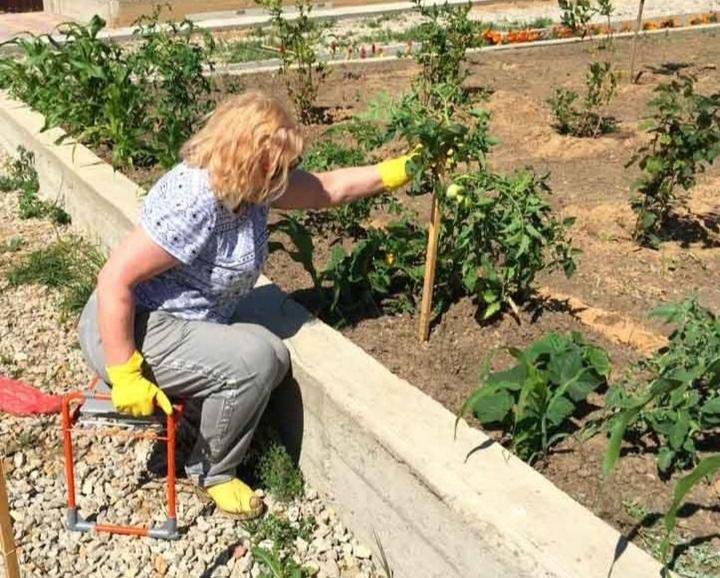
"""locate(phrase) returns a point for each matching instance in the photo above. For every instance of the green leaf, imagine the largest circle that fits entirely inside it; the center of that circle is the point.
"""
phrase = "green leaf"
(511, 379)
(706, 467)
(665, 459)
(710, 412)
(559, 410)
(491, 406)
(618, 427)
(679, 431)
(492, 309)
(599, 359)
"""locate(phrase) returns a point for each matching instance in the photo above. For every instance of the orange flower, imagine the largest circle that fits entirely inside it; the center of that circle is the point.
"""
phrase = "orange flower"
(492, 37)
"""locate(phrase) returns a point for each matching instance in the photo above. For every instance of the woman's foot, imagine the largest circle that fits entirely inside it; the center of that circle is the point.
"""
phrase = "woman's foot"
(236, 499)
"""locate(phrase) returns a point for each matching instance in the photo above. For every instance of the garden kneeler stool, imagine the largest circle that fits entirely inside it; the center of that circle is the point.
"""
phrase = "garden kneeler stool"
(96, 403)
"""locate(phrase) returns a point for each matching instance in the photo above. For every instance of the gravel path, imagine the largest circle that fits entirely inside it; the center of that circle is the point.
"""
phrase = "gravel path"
(37, 346)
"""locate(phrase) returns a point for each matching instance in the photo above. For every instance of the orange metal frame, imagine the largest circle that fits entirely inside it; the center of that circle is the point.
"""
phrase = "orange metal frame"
(75, 522)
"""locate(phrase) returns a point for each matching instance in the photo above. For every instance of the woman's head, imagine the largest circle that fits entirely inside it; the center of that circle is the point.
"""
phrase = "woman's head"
(249, 145)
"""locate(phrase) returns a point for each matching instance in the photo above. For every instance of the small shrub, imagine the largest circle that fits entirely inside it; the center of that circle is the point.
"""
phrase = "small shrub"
(587, 119)
(577, 14)
(279, 474)
(534, 401)
(498, 233)
(674, 394)
(685, 129)
(21, 177)
(301, 68)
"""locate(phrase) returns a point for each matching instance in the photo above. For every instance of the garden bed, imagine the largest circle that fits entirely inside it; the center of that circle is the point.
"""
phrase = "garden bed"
(589, 182)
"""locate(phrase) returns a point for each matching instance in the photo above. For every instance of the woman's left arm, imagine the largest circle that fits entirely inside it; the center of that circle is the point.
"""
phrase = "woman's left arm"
(329, 189)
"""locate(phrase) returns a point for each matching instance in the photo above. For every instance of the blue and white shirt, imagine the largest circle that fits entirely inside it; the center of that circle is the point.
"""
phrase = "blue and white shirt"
(221, 252)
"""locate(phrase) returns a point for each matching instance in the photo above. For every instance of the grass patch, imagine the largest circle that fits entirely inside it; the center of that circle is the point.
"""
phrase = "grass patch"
(71, 265)
(12, 245)
(20, 176)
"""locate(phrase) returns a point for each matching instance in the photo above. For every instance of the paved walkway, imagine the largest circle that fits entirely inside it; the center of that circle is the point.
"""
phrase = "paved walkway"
(35, 22)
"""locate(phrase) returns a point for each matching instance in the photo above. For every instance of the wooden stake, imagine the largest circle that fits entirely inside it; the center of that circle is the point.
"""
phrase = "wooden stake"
(430, 267)
(638, 26)
(7, 541)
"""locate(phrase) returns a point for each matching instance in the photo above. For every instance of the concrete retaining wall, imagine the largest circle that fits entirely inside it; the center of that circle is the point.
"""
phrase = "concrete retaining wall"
(381, 449)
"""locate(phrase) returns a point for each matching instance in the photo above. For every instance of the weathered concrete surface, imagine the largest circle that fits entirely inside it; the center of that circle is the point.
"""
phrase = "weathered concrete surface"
(382, 449)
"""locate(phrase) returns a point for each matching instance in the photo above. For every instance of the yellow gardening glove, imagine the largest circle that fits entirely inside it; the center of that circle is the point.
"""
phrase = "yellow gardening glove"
(132, 393)
(393, 172)
(237, 498)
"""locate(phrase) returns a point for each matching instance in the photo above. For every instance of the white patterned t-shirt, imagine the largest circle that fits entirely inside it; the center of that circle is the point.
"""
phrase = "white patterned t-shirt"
(221, 253)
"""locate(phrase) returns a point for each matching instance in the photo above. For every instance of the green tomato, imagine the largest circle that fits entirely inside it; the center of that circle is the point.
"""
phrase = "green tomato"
(455, 191)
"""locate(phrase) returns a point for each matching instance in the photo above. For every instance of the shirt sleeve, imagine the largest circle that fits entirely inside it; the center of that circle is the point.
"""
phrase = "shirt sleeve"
(179, 216)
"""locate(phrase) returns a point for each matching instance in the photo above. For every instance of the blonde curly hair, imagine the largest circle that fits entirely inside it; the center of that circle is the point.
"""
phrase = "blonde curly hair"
(249, 145)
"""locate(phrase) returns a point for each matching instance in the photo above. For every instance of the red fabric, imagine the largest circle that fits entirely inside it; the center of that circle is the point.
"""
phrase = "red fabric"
(20, 398)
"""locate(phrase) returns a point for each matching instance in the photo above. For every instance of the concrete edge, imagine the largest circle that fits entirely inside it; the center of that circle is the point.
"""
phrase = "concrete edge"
(381, 448)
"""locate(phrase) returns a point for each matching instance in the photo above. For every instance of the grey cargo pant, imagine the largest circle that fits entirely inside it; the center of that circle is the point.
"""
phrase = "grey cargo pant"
(225, 374)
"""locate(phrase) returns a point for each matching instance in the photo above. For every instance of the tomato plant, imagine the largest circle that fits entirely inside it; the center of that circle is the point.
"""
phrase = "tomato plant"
(685, 130)
(498, 232)
(301, 68)
(534, 401)
(677, 403)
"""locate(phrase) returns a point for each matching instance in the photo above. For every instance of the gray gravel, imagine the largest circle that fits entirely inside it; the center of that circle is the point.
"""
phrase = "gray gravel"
(37, 347)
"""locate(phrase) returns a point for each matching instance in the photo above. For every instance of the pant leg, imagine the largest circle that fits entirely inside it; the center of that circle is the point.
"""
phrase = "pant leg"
(230, 370)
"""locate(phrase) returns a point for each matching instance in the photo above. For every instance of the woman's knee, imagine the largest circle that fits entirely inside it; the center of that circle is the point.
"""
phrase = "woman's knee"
(268, 357)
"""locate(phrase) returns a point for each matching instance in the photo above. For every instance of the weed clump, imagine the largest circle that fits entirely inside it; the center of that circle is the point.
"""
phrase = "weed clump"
(278, 474)
(21, 177)
(70, 265)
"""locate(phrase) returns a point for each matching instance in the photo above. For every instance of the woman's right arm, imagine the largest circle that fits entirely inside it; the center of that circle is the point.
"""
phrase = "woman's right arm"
(136, 259)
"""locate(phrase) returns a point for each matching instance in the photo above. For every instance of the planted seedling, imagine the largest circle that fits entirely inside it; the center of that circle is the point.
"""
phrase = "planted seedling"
(301, 68)
(534, 401)
(587, 119)
(677, 401)
(685, 131)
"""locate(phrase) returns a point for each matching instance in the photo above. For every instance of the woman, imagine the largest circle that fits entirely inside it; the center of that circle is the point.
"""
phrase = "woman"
(160, 321)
